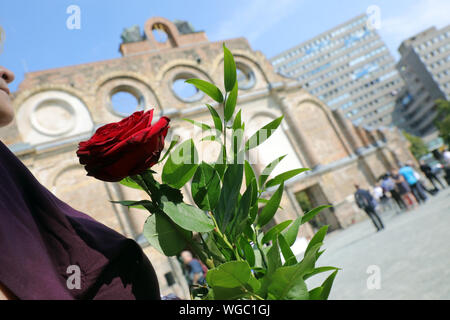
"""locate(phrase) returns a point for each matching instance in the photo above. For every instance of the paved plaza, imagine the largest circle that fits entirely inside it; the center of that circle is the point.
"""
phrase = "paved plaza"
(411, 255)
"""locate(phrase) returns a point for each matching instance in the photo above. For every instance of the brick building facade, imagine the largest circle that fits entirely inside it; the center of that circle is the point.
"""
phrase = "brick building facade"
(57, 108)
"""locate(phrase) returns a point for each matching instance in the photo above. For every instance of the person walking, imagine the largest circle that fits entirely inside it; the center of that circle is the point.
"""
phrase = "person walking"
(403, 189)
(411, 178)
(42, 238)
(389, 186)
(381, 198)
(365, 201)
(193, 269)
(446, 164)
(428, 172)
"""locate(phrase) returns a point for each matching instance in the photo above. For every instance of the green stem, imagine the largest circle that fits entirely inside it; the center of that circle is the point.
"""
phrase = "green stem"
(224, 238)
(224, 124)
(263, 256)
(199, 253)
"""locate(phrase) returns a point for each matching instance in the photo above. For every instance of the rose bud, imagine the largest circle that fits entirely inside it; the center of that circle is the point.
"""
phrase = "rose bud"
(126, 148)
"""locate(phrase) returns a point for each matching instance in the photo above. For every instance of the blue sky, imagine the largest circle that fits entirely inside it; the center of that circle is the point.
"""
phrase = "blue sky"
(37, 37)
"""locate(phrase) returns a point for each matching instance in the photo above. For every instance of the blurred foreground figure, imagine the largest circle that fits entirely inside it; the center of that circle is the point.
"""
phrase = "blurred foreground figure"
(365, 201)
(49, 250)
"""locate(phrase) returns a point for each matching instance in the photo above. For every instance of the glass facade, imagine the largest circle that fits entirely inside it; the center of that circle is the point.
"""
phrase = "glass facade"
(425, 69)
(348, 67)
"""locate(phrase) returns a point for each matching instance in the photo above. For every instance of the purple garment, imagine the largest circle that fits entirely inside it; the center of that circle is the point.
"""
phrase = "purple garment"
(41, 236)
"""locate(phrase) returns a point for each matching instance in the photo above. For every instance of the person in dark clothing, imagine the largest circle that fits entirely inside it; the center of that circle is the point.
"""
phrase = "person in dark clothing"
(44, 241)
(428, 172)
(365, 201)
(193, 268)
(403, 190)
(389, 186)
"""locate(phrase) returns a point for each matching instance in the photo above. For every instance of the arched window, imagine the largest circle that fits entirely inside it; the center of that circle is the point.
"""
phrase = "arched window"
(277, 145)
(125, 100)
(245, 76)
(186, 92)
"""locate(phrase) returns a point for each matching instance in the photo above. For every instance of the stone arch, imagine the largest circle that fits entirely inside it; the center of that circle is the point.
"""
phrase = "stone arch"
(47, 113)
(26, 94)
(178, 70)
(277, 145)
(315, 121)
(121, 74)
(124, 82)
(168, 27)
(180, 63)
(70, 184)
(242, 56)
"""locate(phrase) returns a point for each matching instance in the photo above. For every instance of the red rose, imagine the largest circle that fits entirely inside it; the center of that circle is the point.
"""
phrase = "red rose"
(125, 148)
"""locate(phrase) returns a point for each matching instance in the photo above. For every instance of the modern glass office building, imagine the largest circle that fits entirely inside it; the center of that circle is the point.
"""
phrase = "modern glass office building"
(348, 67)
(425, 68)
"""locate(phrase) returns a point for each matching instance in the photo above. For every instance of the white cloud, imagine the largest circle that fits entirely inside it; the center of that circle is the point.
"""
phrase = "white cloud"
(253, 18)
(414, 19)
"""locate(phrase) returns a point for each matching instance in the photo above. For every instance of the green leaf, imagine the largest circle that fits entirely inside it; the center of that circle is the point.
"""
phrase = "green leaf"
(236, 293)
(208, 88)
(253, 213)
(287, 284)
(265, 201)
(213, 248)
(268, 170)
(292, 232)
(164, 236)
(273, 257)
(263, 134)
(229, 275)
(273, 263)
(271, 207)
(317, 239)
(216, 118)
(249, 173)
(210, 138)
(205, 187)
(229, 69)
(326, 286)
(188, 217)
(312, 213)
(181, 165)
(237, 138)
(248, 230)
(315, 293)
(274, 231)
(143, 204)
(172, 144)
(319, 270)
(250, 178)
(231, 102)
(231, 186)
(221, 163)
(240, 220)
(284, 176)
(237, 124)
(128, 182)
(248, 251)
(203, 126)
(288, 255)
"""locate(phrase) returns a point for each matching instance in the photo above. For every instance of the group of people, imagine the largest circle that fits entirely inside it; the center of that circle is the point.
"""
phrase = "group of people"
(405, 186)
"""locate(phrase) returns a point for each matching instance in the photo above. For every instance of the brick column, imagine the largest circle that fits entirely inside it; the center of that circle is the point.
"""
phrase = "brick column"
(371, 136)
(349, 130)
(362, 136)
(305, 146)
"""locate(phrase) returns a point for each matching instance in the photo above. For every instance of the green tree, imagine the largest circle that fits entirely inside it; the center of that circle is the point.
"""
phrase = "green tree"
(418, 148)
(442, 121)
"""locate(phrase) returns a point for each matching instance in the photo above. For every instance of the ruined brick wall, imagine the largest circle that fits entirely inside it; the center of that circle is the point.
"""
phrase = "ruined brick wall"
(59, 107)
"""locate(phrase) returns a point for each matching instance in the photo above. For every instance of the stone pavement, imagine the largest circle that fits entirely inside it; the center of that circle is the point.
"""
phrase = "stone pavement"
(412, 255)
